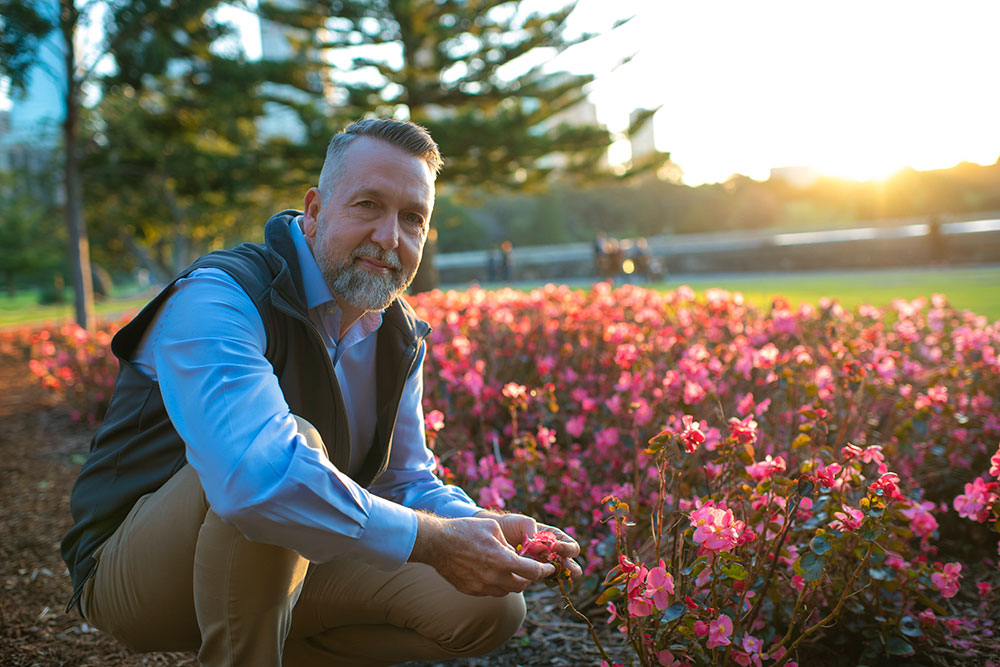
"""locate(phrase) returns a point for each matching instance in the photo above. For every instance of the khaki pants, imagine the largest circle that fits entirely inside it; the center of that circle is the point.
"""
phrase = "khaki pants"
(174, 577)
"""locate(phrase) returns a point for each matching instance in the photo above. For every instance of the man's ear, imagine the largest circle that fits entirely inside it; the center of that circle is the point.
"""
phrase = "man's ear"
(310, 212)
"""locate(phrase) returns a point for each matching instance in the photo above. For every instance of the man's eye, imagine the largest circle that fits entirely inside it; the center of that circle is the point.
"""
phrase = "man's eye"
(414, 219)
(367, 203)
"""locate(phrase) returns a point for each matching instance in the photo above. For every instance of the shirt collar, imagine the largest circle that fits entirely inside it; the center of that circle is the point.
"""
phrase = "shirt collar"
(317, 291)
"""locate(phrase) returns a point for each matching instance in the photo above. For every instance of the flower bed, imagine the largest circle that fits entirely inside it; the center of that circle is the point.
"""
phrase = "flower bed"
(749, 487)
(746, 485)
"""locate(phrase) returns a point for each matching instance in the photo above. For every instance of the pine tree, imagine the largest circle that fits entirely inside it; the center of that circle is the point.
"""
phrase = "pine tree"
(450, 65)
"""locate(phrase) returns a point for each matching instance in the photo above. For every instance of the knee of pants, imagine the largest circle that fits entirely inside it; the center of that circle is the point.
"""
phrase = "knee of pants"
(490, 622)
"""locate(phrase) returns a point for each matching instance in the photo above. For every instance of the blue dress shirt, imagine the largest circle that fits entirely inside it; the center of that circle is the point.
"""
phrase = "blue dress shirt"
(206, 349)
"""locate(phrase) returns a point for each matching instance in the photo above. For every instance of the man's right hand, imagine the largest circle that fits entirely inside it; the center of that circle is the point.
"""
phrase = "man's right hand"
(473, 555)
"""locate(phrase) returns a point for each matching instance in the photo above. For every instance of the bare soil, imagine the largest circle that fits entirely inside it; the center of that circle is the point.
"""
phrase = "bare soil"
(41, 451)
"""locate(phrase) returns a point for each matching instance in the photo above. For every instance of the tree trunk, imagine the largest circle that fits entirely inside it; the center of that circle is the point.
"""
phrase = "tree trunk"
(79, 248)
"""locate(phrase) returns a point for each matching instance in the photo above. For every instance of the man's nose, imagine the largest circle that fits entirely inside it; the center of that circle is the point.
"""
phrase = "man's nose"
(386, 232)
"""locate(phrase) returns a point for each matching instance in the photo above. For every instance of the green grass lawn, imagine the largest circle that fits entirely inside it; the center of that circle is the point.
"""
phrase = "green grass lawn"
(971, 288)
(24, 309)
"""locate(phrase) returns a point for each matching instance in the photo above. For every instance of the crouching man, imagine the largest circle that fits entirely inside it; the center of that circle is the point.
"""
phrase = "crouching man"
(260, 490)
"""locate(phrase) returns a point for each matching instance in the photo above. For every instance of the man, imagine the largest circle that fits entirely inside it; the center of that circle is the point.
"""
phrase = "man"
(260, 490)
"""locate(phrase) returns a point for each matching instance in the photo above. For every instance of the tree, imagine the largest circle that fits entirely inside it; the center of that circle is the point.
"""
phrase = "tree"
(26, 236)
(452, 66)
(142, 37)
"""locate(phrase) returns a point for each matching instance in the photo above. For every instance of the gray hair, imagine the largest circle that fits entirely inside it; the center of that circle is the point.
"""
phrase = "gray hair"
(412, 138)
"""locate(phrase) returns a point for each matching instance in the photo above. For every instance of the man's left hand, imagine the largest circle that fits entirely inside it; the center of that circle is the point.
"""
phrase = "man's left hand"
(518, 527)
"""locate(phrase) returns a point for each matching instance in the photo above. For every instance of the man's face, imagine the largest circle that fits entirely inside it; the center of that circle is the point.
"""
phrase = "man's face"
(369, 235)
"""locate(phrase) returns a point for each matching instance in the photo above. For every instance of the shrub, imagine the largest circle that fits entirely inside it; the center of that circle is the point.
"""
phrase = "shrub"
(801, 461)
(741, 480)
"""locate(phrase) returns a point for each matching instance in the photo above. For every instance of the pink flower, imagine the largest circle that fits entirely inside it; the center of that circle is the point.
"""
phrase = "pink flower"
(763, 469)
(743, 431)
(515, 391)
(922, 522)
(995, 464)
(719, 631)
(947, 580)
(849, 520)
(691, 435)
(886, 485)
(574, 426)
(827, 476)
(541, 546)
(434, 421)
(700, 628)
(715, 529)
(976, 501)
(660, 586)
(984, 589)
(639, 604)
(667, 659)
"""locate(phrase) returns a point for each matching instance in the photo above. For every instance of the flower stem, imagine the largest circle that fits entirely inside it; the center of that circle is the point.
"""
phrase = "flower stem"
(582, 617)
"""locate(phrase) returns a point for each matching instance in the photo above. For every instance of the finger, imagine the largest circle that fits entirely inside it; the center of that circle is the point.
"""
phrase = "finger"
(531, 569)
(573, 567)
(567, 549)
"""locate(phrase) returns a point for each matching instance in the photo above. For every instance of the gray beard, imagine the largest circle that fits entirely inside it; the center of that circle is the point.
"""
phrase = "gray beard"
(362, 289)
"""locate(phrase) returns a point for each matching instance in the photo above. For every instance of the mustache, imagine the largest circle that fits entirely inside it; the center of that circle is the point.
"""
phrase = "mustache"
(390, 257)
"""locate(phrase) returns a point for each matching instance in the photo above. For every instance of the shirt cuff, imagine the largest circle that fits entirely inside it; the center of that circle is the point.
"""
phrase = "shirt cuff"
(389, 535)
(457, 509)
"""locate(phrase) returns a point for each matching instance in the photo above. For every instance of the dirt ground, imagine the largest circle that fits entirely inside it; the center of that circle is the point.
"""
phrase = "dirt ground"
(40, 454)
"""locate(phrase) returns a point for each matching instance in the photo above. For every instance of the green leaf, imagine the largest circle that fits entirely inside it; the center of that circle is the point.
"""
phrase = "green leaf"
(801, 440)
(809, 567)
(607, 595)
(909, 627)
(673, 612)
(819, 545)
(735, 571)
(898, 646)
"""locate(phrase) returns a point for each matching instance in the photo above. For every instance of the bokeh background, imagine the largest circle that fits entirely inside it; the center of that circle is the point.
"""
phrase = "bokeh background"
(733, 144)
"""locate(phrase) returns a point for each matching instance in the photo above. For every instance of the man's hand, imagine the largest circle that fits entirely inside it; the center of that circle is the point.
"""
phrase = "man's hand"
(518, 527)
(474, 555)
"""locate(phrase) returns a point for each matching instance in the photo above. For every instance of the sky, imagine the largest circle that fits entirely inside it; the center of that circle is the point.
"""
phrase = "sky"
(851, 89)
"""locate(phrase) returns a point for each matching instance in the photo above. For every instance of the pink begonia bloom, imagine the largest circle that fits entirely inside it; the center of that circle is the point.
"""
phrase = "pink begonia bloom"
(541, 546)
(995, 464)
(660, 586)
(575, 425)
(604, 663)
(693, 392)
(625, 355)
(638, 604)
(691, 435)
(886, 485)
(827, 476)
(984, 589)
(922, 522)
(667, 659)
(434, 421)
(798, 583)
(849, 520)
(714, 528)
(976, 501)
(947, 580)
(927, 617)
(497, 493)
(700, 628)
(761, 470)
(743, 431)
(719, 631)
(612, 613)
(515, 391)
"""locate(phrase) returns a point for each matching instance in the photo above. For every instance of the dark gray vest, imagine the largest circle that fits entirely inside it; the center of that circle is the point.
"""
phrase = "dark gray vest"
(137, 449)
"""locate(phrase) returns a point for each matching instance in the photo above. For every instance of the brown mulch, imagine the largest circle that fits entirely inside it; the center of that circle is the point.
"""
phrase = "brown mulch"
(40, 454)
